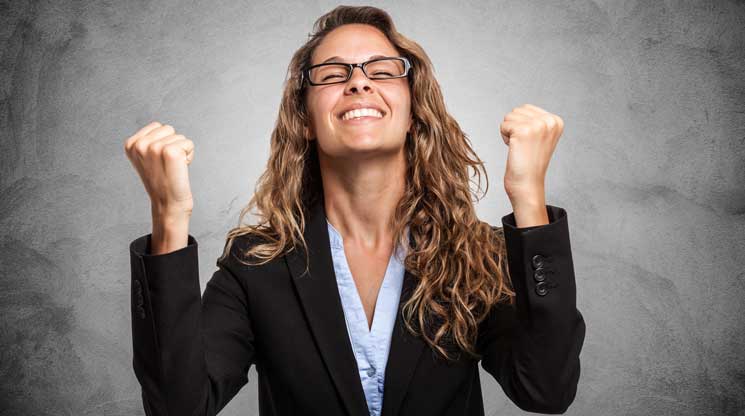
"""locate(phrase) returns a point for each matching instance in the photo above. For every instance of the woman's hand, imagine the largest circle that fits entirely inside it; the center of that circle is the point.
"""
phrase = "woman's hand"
(161, 158)
(531, 134)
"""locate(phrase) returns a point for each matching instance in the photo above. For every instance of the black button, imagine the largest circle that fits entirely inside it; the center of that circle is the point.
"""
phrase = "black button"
(541, 289)
(141, 312)
(538, 261)
(539, 275)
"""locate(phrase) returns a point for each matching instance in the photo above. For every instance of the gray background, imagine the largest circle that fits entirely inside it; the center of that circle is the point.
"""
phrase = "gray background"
(650, 170)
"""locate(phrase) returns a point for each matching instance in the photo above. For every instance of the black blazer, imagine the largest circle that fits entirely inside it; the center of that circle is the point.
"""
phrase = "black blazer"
(192, 354)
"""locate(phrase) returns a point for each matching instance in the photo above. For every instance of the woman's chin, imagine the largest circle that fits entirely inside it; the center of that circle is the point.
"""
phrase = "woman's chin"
(363, 147)
(371, 147)
(362, 144)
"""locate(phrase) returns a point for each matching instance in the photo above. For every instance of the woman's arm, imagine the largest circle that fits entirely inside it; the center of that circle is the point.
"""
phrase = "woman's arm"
(532, 348)
(191, 353)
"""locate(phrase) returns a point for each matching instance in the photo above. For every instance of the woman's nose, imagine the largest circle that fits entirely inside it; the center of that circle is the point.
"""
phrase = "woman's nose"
(358, 80)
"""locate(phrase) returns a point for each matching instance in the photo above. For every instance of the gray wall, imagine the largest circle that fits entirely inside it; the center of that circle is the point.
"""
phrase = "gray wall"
(650, 170)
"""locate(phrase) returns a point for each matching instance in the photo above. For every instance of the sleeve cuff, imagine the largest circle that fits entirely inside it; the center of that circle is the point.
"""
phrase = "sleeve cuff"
(142, 246)
(176, 269)
(541, 265)
(554, 214)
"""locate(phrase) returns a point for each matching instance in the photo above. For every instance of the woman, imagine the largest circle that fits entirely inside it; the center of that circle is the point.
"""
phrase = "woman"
(369, 286)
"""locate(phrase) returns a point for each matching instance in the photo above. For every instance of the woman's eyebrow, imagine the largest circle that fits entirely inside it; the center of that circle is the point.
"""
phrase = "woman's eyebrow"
(340, 59)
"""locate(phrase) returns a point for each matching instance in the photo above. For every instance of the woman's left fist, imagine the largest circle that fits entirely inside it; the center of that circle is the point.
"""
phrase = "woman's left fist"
(531, 134)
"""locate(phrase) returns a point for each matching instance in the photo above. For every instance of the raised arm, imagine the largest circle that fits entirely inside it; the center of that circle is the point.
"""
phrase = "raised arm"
(532, 348)
(191, 353)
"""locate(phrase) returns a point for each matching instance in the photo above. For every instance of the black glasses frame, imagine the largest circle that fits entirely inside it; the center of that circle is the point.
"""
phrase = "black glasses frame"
(305, 74)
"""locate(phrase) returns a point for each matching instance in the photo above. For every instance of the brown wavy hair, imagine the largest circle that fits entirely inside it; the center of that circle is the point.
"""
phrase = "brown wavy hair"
(459, 261)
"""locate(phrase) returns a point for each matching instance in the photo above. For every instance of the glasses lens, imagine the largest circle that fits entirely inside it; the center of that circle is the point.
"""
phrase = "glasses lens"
(385, 68)
(381, 69)
(326, 74)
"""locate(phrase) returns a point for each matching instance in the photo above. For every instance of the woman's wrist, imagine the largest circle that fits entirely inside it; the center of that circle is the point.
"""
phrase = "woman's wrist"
(170, 231)
(530, 209)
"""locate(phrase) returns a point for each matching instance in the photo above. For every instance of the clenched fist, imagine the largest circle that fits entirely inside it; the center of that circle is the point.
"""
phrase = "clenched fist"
(531, 134)
(161, 158)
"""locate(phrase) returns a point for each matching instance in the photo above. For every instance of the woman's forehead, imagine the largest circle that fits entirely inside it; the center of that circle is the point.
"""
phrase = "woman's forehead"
(356, 43)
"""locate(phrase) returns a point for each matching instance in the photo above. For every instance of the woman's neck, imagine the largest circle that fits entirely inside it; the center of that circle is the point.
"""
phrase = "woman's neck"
(361, 197)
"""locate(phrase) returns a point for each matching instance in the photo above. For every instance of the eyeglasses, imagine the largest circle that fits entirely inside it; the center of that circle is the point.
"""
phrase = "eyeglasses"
(337, 73)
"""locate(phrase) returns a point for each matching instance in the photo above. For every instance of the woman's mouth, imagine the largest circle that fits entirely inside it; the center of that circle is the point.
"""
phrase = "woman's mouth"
(361, 115)
(361, 120)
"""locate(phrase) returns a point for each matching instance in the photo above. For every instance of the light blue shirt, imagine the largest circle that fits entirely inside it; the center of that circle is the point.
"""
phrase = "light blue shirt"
(371, 346)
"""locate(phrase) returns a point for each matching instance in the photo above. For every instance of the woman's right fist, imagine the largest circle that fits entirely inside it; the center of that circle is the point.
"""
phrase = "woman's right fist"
(161, 158)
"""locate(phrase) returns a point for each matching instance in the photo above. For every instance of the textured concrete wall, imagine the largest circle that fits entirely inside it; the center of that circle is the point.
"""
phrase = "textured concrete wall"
(651, 169)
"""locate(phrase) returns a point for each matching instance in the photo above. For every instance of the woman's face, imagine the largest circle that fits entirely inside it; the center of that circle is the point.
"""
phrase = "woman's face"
(353, 43)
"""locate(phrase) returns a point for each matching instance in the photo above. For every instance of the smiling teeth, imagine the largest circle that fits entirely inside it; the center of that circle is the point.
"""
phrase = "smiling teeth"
(362, 112)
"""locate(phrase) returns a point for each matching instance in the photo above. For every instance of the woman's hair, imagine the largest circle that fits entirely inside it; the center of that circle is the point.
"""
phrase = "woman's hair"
(459, 261)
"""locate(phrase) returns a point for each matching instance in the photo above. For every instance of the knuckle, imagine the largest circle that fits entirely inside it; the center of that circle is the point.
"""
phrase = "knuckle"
(544, 126)
(156, 147)
(140, 148)
(170, 152)
(130, 142)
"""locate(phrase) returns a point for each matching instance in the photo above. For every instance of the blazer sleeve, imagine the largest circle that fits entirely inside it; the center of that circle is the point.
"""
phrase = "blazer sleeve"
(532, 347)
(191, 352)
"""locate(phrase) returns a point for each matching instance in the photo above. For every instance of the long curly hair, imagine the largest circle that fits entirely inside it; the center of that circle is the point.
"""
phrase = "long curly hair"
(459, 261)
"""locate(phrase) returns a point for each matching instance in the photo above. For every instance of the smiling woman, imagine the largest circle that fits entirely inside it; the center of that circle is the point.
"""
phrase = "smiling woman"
(368, 285)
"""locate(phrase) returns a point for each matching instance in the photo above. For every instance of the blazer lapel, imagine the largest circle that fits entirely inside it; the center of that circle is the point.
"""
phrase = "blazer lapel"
(319, 296)
(403, 355)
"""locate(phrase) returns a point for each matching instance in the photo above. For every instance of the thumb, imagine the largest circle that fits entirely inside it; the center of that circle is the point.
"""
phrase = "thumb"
(505, 129)
(188, 147)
